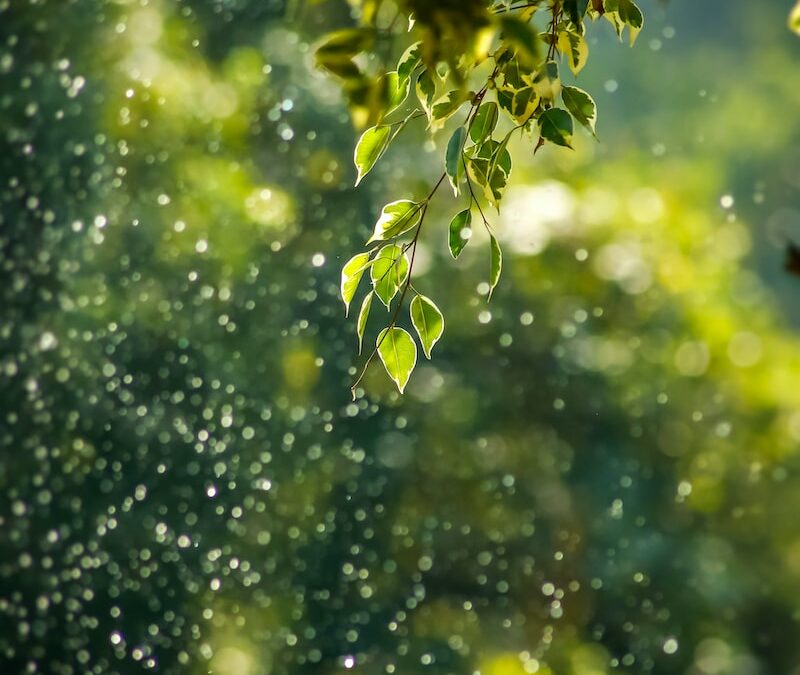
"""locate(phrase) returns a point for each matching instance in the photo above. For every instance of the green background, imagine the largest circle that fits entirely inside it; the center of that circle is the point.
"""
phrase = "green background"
(598, 471)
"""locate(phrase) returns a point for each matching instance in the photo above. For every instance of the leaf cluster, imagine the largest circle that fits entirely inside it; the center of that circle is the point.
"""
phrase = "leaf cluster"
(498, 63)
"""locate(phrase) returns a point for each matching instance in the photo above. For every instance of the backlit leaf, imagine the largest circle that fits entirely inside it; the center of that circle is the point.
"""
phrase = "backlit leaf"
(409, 61)
(491, 169)
(459, 232)
(370, 147)
(574, 47)
(388, 272)
(622, 13)
(363, 315)
(428, 321)
(398, 353)
(496, 264)
(396, 91)
(351, 274)
(446, 106)
(524, 104)
(396, 218)
(484, 122)
(453, 164)
(344, 44)
(426, 91)
(547, 81)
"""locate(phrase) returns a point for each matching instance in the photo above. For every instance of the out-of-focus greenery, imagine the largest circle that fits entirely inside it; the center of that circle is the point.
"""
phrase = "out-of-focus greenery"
(599, 473)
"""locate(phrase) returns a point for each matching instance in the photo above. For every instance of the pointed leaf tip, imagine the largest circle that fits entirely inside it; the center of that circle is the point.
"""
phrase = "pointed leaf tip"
(398, 353)
(428, 321)
(496, 264)
(459, 232)
(370, 147)
(351, 274)
(396, 218)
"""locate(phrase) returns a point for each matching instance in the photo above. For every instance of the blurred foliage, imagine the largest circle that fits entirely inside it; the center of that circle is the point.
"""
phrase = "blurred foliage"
(599, 473)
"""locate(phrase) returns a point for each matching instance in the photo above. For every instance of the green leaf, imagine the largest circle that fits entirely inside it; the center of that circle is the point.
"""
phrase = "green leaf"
(524, 104)
(623, 13)
(388, 272)
(632, 16)
(452, 163)
(572, 10)
(484, 122)
(398, 353)
(794, 19)
(523, 38)
(370, 147)
(505, 98)
(426, 91)
(459, 227)
(351, 274)
(496, 266)
(409, 61)
(581, 106)
(445, 107)
(491, 169)
(363, 315)
(513, 77)
(555, 126)
(344, 44)
(396, 91)
(574, 47)
(501, 159)
(547, 82)
(396, 218)
(346, 69)
(428, 321)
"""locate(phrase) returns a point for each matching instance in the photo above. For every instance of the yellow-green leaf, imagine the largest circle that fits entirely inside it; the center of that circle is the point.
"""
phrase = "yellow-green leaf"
(388, 272)
(623, 13)
(370, 147)
(426, 91)
(428, 321)
(452, 163)
(484, 122)
(363, 315)
(396, 218)
(396, 90)
(574, 47)
(555, 125)
(409, 61)
(446, 106)
(581, 106)
(344, 44)
(496, 264)
(459, 232)
(524, 104)
(351, 274)
(547, 81)
(794, 18)
(398, 353)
